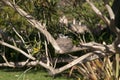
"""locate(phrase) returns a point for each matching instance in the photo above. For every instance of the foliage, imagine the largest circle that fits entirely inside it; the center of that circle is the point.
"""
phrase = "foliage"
(49, 12)
(99, 69)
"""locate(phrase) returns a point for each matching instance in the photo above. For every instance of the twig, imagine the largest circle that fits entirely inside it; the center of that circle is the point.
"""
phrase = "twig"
(110, 11)
(5, 59)
(47, 56)
(3, 53)
(91, 73)
(117, 57)
(23, 41)
(97, 11)
(112, 19)
(55, 62)
(24, 73)
(17, 49)
(18, 35)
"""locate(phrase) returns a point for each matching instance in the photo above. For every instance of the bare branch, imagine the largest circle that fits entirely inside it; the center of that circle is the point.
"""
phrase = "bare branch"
(85, 58)
(112, 18)
(47, 55)
(92, 46)
(17, 49)
(5, 59)
(21, 64)
(96, 46)
(34, 23)
(110, 11)
(97, 11)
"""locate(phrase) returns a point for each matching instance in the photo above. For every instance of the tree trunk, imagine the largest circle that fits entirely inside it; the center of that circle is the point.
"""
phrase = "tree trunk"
(116, 10)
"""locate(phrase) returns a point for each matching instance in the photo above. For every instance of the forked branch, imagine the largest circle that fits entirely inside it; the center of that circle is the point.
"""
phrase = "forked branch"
(17, 49)
(34, 23)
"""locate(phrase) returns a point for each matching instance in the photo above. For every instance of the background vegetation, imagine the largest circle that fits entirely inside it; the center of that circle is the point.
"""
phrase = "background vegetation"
(48, 12)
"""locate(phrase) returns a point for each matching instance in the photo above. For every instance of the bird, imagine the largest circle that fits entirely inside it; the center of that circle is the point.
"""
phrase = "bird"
(63, 20)
(65, 43)
(78, 27)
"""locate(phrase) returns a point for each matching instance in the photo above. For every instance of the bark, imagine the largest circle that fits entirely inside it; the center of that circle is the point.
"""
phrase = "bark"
(116, 10)
(53, 71)
(17, 49)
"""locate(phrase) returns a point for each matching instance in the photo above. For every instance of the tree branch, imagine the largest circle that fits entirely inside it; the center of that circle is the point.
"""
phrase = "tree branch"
(112, 18)
(17, 49)
(34, 23)
(97, 11)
